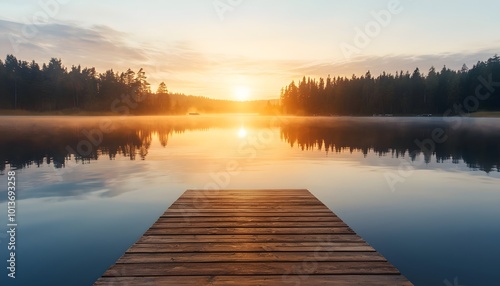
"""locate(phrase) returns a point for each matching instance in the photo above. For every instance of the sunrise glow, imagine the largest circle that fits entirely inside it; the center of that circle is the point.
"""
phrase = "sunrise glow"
(242, 93)
(258, 42)
(242, 132)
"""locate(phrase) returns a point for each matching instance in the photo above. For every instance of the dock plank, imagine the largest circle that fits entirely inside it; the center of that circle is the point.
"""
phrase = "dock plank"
(255, 230)
(250, 237)
(268, 256)
(250, 219)
(259, 280)
(251, 268)
(240, 224)
(250, 247)
(237, 238)
(187, 215)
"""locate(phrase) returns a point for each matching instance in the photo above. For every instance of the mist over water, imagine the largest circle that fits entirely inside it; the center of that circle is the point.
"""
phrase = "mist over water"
(53, 139)
(88, 187)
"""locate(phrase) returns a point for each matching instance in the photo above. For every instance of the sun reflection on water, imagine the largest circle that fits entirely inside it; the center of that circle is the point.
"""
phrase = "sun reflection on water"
(242, 132)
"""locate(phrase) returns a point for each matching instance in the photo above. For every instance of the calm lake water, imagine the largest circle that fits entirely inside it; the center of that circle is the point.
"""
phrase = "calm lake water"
(424, 192)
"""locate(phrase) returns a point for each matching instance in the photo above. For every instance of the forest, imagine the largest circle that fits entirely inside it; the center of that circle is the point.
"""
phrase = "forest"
(478, 147)
(447, 91)
(53, 87)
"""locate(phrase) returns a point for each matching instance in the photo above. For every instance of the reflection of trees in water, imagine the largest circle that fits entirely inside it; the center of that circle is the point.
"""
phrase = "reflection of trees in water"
(35, 142)
(39, 150)
(478, 147)
(51, 146)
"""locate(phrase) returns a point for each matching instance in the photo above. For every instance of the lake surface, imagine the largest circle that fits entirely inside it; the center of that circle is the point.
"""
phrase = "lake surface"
(424, 192)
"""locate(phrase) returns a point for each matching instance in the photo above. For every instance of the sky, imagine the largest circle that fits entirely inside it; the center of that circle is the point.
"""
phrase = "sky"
(250, 49)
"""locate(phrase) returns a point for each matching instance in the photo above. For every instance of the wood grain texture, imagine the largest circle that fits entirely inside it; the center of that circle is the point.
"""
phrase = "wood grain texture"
(250, 237)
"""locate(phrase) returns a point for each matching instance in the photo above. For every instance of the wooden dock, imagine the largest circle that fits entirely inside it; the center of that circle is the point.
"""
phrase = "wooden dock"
(251, 237)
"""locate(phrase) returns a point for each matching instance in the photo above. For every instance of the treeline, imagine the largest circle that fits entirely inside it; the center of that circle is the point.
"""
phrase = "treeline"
(182, 104)
(52, 87)
(438, 92)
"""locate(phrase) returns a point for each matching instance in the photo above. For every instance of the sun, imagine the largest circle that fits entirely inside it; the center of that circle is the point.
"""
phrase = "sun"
(242, 93)
(242, 133)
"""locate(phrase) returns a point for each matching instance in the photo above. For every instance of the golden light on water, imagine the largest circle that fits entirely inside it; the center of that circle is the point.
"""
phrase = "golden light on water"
(242, 132)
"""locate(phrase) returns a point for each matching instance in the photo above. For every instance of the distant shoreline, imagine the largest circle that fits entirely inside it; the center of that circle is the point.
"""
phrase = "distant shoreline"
(10, 112)
(490, 114)
(76, 112)
(73, 112)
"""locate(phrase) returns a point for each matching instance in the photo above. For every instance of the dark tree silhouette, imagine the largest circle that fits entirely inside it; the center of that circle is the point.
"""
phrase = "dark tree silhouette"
(402, 93)
(53, 87)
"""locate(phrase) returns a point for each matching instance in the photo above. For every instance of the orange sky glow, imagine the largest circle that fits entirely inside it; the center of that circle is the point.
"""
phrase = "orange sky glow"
(250, 49)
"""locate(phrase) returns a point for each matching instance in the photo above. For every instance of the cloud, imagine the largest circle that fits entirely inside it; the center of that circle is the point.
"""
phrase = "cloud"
(99, 46)
(184, 65)
(105, 48)
(394, 63)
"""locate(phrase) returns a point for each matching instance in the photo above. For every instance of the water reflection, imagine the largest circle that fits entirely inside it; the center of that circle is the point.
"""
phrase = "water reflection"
(475, 141)
(418, 228)
(30, 141)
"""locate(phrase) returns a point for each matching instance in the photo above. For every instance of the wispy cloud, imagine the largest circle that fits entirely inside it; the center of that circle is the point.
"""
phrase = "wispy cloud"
(395, 63)
(96, 45)
(187, 68)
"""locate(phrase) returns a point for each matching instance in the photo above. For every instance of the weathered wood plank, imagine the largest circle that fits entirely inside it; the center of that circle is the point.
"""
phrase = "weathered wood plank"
(248, 196)
(250, 247)
(166, 224)
(269, 256)
(201, 213)
(271, 219)
(259, 280)
(270, 210)
(255, 230)
(225, 207)
(252, 200)
(238, 238)
(251, 268)
(262, 199)
(251, 237)
(285, 192)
